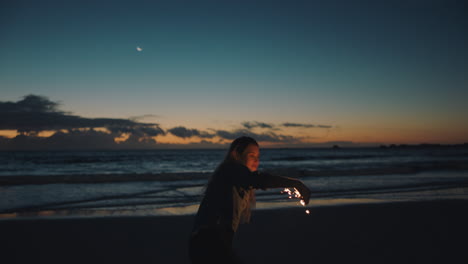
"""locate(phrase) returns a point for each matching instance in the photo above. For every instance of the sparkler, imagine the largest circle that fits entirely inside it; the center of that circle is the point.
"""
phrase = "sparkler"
(296, 194)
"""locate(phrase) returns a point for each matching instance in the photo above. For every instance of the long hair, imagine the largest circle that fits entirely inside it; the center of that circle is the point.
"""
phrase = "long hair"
(238, 145)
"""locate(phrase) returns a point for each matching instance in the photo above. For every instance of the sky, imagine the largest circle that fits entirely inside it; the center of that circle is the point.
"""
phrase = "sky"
(198, 73)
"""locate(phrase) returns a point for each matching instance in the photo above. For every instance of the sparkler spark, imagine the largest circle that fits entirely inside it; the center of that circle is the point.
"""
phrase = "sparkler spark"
(297, 194)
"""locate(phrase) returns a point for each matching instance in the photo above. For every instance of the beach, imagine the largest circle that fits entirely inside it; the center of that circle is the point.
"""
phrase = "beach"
(367, 206)
(400, 232)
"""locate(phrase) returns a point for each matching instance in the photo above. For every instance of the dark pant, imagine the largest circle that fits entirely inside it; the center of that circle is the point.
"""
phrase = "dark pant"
(212, 246)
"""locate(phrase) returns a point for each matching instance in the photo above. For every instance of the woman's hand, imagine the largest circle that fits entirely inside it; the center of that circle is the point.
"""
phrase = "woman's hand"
(304, 191)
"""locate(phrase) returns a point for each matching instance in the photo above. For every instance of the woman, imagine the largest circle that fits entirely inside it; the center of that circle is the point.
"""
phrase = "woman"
(229, 195)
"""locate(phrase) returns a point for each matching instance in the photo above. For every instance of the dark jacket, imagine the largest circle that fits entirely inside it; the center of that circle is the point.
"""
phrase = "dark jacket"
(227, 199)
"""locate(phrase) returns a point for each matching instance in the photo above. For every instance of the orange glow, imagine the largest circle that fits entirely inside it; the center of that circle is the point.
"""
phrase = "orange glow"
(122, 138)
(8, 133)
(14, 133)
(46, 133)
(388, 131)
(101, 129)
(171, 139)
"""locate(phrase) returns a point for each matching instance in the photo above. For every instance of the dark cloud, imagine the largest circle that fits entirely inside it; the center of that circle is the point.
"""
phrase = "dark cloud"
(139, 129)
(76, 140)
(183, 132)
(73, 139)
(30, 103)
(136, 141)
(257, 124)
(305, 125)
(36, 113)
(203, 144)
(263, 137)
(254, 124)
(269, 136)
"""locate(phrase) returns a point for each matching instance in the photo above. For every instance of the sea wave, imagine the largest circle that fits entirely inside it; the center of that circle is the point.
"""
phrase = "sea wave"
(404, 168)
(77, 199)
(325, 157)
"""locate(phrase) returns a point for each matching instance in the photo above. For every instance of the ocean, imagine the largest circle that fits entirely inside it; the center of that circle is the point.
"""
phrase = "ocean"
(167, 182)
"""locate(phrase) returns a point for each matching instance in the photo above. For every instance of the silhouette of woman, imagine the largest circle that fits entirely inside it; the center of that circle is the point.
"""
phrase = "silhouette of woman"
(228, 198)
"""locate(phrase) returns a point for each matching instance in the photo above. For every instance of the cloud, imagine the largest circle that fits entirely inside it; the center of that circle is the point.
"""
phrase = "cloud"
(269, 133)
(30, 103)
(257, 124)
(36, 113)
(262, 137)
(183, 132)
(203, 144)
(33, 114)
(305, 125)
(268, 136)
(76, 140)
(254, 124)
(140, 129)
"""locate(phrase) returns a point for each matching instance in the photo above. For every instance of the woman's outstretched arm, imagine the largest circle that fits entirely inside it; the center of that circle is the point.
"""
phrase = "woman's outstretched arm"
(240, 175)
(267, 180)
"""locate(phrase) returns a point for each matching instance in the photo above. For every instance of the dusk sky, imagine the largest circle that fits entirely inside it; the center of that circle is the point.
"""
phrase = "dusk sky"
(292, 73)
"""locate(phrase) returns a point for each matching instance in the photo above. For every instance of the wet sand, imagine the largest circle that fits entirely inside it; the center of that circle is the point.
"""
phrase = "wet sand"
(406, 232)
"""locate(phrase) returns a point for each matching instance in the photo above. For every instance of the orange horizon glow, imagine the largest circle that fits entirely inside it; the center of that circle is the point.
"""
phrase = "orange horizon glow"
(356, 136)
